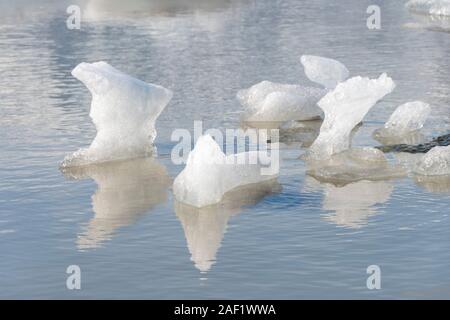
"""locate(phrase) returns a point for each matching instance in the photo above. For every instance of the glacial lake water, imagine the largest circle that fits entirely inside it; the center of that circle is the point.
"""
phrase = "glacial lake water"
(119, 222)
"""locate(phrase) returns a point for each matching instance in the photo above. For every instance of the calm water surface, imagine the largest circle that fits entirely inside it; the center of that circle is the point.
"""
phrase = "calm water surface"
(119, 222)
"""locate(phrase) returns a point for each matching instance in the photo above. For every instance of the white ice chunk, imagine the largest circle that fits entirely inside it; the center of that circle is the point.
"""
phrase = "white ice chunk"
(432, 7)
(344, 108)
(435, 162)
(209, 173)
(123, 109)
(269, 101)
(407, 118)
(324, 71)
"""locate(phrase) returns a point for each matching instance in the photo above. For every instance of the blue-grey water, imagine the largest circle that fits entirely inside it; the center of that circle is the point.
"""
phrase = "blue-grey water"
(119, 222)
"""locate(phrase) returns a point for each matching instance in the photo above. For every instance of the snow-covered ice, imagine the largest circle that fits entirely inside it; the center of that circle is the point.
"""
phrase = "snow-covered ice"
(269, 101)
(352, 165)
(209, 173)
(324, 71)
(123, 109)
(344, 108)
(432, 7)
(406, 119)
(435, 162)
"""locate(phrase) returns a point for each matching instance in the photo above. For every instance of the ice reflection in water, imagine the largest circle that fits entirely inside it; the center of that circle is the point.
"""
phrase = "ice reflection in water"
(435, 184)
(352, 205)
(204, 228)
(126, 190)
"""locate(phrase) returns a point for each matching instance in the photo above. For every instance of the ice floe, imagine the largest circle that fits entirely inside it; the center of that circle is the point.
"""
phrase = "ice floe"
(123, 109)
(209, 173)
(324, 71)
(269, 101)
(344, 108)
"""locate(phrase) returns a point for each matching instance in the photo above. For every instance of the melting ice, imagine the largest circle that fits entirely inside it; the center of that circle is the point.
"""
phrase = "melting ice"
(324, 71)
(209, 173)
(269, 101)
(344, 108)
(123, 109)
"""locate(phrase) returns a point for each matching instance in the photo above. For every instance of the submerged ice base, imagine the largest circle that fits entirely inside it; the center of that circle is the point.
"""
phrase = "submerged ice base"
(209, 173)
(354, 165)
(123, 109)
(344, 108)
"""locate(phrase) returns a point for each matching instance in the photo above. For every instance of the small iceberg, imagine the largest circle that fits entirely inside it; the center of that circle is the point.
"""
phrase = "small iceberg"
(327, 72)
(429, 22)
(269, 101)
(354, 165)
(209, 173)
(344, 108)
(405, 120)
(123, 109)
(435, 162)
(431, 7)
